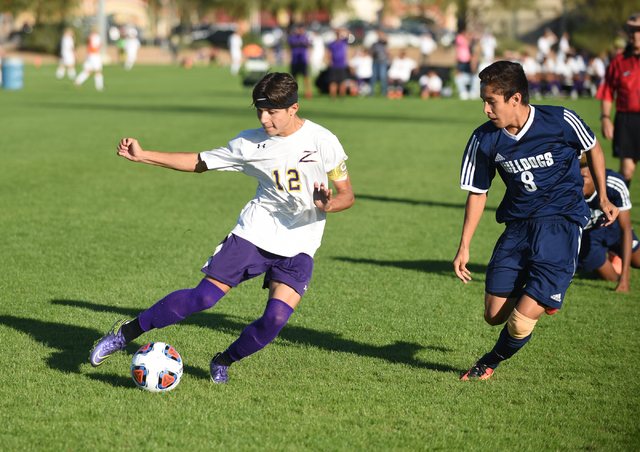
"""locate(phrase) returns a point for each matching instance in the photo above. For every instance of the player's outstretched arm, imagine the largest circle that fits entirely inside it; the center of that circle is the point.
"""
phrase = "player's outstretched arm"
(130, 149)
(324, 199)
(595, 158)
(472, 214)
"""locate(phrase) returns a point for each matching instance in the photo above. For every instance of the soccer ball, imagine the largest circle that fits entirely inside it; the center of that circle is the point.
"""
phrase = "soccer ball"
(156, 367)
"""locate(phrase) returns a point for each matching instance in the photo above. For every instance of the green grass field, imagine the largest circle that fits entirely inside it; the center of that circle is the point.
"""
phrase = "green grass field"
(372, 357)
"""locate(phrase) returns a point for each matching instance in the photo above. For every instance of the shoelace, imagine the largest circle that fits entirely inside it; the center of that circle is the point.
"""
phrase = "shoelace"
(478, 370)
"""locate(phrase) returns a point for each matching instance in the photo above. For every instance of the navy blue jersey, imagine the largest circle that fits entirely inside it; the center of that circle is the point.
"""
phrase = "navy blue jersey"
(618, 194)
(539, 166)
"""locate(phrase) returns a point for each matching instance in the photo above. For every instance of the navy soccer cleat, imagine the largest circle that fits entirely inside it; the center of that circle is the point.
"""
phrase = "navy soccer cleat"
(110, 343)
(219, 373)
(478, 371)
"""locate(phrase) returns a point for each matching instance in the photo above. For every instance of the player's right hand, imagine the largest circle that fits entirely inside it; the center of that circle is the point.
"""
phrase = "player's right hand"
(129, 149)
(460, 265)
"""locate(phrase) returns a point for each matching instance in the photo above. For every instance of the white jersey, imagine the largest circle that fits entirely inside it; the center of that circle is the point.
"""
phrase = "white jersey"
(235, 46)
(401, 68)
(362, 66)
(131, 46)
(67, 47)
(282, 217)
(432, 83)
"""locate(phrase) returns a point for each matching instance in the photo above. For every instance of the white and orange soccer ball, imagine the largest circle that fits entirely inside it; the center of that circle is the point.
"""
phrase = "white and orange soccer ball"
(156, 367)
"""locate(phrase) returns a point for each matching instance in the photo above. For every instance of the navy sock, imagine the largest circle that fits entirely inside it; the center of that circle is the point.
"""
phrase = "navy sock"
(505, 348)
(257, 335)
(179, 304)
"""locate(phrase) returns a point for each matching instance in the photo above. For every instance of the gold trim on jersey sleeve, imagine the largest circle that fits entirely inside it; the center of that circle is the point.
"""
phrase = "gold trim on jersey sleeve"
(339, 172)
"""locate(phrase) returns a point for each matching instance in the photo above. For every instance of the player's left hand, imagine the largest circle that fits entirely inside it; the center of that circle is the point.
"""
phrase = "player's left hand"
(322, 195)
(610, 212)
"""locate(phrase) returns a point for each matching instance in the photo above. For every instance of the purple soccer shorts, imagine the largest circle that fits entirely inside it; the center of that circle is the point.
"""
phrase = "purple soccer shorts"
(237, 260)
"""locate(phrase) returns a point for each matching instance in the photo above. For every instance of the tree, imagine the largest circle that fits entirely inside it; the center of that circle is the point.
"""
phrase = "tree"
(43, 10)
(241, 8)
(609, 16)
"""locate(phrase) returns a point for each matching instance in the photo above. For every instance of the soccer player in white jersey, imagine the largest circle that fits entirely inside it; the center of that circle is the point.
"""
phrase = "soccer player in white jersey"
(277, 232)
(67, 56)
(131, 47)
(536, 151)
(93, 62)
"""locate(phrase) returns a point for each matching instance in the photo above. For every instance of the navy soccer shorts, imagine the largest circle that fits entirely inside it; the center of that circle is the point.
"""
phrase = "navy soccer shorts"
(595, 244)
(536, 257)
(236, 260)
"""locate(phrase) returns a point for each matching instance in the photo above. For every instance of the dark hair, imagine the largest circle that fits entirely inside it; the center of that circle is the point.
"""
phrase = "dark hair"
(278, 86)
(506, 78)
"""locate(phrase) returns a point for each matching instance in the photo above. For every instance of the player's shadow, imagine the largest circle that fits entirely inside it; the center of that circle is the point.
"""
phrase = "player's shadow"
(415, 202)
(71, 343)
(428, 266)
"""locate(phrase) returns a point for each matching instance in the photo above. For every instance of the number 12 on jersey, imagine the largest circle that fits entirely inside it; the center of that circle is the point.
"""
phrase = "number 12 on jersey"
(293, 180)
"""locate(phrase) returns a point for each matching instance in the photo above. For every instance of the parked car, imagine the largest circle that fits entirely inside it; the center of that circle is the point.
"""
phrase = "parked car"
(396, 38)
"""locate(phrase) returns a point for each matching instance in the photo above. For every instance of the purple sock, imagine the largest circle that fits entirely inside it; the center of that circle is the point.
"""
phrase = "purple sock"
(257, 335)
(179, 304)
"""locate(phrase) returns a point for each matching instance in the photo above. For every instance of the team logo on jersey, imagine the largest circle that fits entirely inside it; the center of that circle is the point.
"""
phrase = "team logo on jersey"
(307, 156)
(499, 158)
(557, 297)
(525, 164)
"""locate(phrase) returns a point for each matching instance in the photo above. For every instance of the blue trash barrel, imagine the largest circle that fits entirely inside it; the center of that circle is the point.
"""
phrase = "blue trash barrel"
(12, 73)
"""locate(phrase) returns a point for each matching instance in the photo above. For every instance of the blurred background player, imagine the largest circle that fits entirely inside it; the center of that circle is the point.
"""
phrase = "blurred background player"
(427, 46)
(462, 77)
(277, 233)
(380, 66)
(622, 82)
(338, 53)
(2, 55)
(532, 70)
(131, 46)
(317, 54)
(235, 49)
(93, 62)
(299, 44)
(362, 67)
(430, 85)
(545, 44)
(67, 56)
(618, 239)
(536, 151)
(399, 73)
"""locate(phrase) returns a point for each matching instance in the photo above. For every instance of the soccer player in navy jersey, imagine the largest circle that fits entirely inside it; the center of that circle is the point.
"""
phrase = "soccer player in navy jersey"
(618, 238)
(536, 152)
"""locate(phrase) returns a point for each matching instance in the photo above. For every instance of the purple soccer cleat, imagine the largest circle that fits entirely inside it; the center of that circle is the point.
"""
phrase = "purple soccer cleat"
(219, 374)
(110, 343)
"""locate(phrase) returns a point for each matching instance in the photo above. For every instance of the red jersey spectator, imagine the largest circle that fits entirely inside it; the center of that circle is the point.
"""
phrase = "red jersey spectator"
(622, 82)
